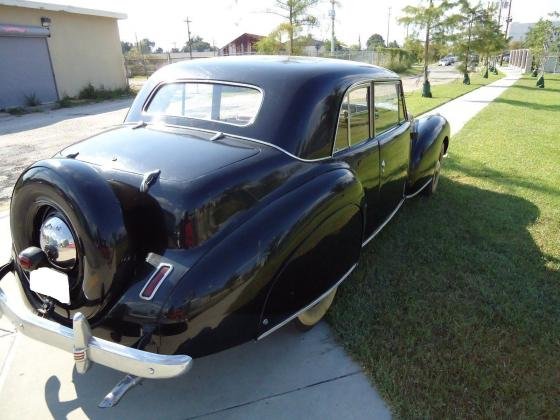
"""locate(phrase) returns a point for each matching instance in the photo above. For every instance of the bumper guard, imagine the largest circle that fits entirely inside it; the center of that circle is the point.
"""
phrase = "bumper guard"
(87, 348)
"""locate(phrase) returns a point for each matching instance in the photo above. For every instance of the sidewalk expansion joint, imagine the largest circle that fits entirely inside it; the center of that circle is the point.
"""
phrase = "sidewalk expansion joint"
(279, 394)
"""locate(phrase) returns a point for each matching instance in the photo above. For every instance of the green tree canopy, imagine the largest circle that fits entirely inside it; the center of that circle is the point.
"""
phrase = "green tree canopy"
(146, 46)
(198, 44)
(543, 38)
(296, 16)
(126, 46)
(375, 41)
(338, 46)
(432, 17)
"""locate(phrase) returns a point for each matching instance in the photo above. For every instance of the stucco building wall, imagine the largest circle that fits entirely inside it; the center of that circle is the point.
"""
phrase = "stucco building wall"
(83, 48)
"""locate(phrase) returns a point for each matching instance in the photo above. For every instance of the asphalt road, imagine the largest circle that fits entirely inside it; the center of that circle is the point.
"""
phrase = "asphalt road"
(437, 75)
(31, 137)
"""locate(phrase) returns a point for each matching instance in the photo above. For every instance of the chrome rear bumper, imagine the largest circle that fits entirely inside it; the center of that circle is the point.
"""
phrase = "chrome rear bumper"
(85, 347)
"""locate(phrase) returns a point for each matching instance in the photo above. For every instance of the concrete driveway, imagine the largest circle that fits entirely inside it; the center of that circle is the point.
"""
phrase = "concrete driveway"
(31, 137)
(287, 375)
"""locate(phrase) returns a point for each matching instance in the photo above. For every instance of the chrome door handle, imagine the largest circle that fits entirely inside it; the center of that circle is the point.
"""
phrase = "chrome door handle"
(383, 165)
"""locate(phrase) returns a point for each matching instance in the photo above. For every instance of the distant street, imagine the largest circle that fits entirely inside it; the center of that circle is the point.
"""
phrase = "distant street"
(438, 75)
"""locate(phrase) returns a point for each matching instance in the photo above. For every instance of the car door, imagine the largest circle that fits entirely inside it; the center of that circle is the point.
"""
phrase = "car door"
(356, 145)
(392, 131)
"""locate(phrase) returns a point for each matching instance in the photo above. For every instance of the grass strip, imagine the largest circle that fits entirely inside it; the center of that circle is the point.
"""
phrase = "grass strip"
(454, 311)
(445, 92)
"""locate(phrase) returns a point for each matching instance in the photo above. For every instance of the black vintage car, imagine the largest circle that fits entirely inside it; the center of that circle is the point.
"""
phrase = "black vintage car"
(236, 197)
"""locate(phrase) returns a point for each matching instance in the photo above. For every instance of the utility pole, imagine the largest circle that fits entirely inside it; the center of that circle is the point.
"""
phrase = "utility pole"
(500, 6)
(508, 20)
(332, 14)
(189, 34)
(388, 24)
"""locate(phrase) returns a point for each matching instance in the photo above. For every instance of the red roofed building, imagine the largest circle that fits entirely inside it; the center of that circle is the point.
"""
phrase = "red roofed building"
(243, 44)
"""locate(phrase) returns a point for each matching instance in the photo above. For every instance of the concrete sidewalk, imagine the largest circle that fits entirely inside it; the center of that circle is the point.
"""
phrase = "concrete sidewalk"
(459, 111)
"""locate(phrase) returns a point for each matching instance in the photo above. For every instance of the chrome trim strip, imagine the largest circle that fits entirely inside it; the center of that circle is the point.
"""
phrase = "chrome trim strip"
(115, 356)
(156, 88)
(419, 190)
(159, 267)
(280, 325)
(236, 136)
(374, 234)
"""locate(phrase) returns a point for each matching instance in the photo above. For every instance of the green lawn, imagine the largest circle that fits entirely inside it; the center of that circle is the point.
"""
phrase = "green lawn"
(443, 93)
(414, 70)
(454, 311)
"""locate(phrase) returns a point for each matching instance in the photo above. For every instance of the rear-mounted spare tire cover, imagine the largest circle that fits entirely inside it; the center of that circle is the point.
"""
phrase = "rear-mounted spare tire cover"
(77, 193)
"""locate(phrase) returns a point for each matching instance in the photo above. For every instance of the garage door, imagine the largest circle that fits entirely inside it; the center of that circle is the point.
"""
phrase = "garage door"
(25, 66)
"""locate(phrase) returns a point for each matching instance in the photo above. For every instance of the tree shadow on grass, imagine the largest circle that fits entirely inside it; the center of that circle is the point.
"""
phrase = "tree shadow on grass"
(476, 169)
(531, 105)
(453, 311)
(523, 104)
(535, 88)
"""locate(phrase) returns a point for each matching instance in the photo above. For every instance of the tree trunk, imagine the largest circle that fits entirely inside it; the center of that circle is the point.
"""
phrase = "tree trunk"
(291, 32)
(426, 90)
(426, 52)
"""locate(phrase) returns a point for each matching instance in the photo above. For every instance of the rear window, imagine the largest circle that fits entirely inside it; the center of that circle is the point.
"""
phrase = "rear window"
(238, 105)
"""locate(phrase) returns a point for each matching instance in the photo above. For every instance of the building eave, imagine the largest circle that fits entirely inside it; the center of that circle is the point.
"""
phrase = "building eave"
(51, 7)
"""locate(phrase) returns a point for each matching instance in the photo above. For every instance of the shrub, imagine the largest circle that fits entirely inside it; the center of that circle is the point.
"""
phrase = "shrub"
(65, 102)
(88, 92)
(398, 67)
(32, 100)
(18, 110)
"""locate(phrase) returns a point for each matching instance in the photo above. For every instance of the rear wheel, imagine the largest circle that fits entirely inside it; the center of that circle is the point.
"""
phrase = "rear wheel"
(311, 317)
(432, 188)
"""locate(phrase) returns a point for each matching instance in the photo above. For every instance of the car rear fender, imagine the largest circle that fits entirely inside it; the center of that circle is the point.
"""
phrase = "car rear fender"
(317, 227)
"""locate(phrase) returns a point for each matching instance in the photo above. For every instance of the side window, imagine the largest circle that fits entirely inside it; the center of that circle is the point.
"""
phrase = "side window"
(386, 103)
(341, 141)
(358, 103)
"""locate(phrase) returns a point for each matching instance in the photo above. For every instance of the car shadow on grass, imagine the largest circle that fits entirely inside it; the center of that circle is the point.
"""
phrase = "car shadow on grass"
(453, 312)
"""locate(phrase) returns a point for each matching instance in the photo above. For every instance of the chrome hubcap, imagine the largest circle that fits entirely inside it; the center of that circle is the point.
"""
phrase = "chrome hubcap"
(58, 243)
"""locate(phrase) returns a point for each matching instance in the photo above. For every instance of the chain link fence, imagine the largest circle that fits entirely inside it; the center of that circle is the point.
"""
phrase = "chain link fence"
(147, 64)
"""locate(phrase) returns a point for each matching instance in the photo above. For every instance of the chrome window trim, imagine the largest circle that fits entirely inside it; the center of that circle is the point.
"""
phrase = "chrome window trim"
(156, 89)
(206, 130)
(294, 315)
(370, 92)
(362, 82)
(397, 83)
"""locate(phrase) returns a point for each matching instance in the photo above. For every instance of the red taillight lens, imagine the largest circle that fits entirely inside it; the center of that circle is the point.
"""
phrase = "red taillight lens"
(25, 262)
(189, 239)
(31, 258)
(153, 283)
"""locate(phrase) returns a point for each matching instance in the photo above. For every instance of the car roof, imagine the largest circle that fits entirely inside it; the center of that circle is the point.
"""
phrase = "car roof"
(302, 95)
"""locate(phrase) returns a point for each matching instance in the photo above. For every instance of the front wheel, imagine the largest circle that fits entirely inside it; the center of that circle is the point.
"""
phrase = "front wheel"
(432, 188)
(311, 317)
